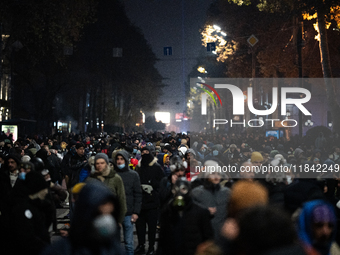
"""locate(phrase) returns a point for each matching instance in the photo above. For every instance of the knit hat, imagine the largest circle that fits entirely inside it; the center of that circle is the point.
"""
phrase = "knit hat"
(256, 157)
(246, 194)
(103, 156)
(273, 153)
(78, 187)
(35, 182)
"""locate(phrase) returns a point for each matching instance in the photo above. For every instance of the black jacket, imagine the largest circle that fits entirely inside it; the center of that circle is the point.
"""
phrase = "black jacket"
(29, 227)
(80, 240)
(165, 193)
(300, 191)
(182, 235)
(132, 186)
(150, 175)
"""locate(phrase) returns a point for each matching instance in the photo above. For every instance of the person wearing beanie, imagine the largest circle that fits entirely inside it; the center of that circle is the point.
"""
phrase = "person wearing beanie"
(256, 158)
(245, 194)
(166, 164)
(104, 173)
(133, 194)
(29, 218)
(150, 174)
(273, 153)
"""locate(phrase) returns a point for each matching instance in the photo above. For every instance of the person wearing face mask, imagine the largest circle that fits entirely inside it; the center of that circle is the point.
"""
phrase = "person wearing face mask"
(150, 174)
(19, 191)
(102, 172)
(212, 196)
(133, 193)
(94, 229)
(29, 222)
(184, 224)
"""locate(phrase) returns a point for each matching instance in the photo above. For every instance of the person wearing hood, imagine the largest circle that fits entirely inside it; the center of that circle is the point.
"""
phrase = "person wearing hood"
(94, 228)
(28, 218)
(163, 161)
(133, 194)
(317, 227)
(150, 174)
(299, 156)
(281, 150)
(104, 173)
(183, 224)
(212, 196)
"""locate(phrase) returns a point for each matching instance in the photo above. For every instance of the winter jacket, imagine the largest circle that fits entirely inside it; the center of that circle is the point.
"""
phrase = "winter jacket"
(165, 193)
(115, 183)
(182, 235)
(150, 178)
(81, 239)
(132, 186)
(29, 226)
(217, 197)
(72, 166)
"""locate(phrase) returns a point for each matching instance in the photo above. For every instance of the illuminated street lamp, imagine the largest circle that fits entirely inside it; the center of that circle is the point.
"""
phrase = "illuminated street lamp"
(217, 28)
(309, 123)
(201, 69)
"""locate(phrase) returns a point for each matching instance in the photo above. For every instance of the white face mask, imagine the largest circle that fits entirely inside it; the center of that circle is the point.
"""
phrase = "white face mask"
(105, 225)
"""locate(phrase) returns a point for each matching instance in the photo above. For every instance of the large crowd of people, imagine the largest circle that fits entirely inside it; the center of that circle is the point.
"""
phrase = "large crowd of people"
(203, 193)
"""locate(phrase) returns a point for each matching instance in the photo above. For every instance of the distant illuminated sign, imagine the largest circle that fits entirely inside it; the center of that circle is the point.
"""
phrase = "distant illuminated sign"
(181, 116)
(164, 117)
(10, 129)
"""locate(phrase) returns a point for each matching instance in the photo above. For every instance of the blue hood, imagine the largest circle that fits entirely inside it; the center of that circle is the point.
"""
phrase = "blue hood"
(305, 221)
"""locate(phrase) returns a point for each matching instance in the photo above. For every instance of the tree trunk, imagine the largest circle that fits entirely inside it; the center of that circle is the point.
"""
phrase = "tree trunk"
(327, 74)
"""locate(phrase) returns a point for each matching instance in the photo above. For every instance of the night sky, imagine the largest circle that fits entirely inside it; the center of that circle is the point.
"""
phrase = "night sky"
(176, 24)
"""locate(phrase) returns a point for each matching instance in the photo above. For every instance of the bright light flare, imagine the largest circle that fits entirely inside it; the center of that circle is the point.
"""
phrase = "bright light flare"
(163, 116)
(201, 69)
(217, 28)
